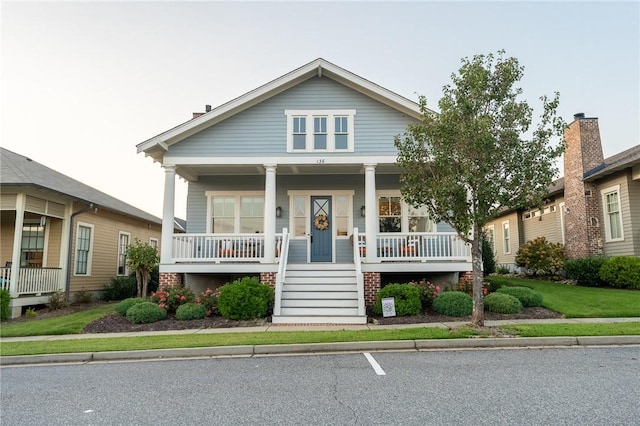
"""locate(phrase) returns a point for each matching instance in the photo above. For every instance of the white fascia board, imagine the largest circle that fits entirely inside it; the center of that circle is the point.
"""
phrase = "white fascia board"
(274, 87)
(288, 160)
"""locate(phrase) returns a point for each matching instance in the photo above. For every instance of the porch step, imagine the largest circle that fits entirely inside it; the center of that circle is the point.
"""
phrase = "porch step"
(319, 294)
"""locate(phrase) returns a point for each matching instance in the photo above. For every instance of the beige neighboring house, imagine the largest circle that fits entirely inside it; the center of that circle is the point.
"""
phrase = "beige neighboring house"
(60, 234)
(593, 210)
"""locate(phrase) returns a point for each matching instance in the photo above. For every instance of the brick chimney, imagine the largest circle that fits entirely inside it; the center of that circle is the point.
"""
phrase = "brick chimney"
(583, 235)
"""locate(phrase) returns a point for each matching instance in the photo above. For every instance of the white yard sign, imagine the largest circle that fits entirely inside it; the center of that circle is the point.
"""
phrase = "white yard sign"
(388, 307)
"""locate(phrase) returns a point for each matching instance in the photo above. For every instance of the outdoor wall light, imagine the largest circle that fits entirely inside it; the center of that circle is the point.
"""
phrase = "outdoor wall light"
(278, 211)
(363, 211)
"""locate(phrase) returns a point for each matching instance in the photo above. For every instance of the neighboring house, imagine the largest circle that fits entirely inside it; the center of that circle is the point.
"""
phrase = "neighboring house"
(593, 210)
(296, 182)
(60, 234)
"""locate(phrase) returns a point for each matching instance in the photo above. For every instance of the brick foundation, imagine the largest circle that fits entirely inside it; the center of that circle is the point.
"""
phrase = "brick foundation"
(468, 276)
(173, 279)
(371, 287)
(268, 278)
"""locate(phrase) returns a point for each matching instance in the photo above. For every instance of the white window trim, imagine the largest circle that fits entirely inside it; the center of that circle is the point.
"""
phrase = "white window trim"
(90, 254)
(562, 213)
(157, 242)
(126, 269)
(330, 114)
(505, 249)
(236, 209)
(404, 210)
(308, 194)
(607, 223)
(492, 228)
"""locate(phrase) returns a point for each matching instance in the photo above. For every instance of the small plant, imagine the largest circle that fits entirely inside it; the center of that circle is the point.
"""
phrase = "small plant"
(528, 297)
(57, 300)
(145, 312)
(466, 285)
(406, 298)
(622, 272)
(245, 299)
(31, 313)
(190, 311)
(488, 257)
(428, 292)
(5, 300)
(120, 288)
(541, 257)
(171, 297)
(502, 303)
(502, 270)
(453, 303)
(124, 306)
(83, 296)
(585, 271)
(208, 300)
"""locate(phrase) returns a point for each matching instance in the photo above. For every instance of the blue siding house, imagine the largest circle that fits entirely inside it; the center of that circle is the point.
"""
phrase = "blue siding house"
(297, 182)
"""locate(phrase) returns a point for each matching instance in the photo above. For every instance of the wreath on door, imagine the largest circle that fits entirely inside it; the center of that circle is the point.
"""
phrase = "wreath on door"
(321, 222)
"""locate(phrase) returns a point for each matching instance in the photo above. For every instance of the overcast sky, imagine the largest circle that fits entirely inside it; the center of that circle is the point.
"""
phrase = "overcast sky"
(84, 82)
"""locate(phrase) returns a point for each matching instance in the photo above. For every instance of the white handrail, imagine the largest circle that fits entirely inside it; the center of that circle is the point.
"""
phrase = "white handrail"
(359, 277)
(282, 270)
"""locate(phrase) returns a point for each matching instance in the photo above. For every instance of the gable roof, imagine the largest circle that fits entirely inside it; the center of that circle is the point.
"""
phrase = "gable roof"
(156, 146)
(617, 162)
(18, 170)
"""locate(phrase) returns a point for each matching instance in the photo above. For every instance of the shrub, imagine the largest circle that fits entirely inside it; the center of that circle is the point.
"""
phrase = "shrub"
(145, 312)
(621, 271)
(453, 303)
(170, 297)
(502, 303)
(124, 306)
(190, 311)
(502, 270)
(31, 313)
(57, 300)
(541, 257)
(245, 298)
(83, 296)
(208, 300)
(406, 298)
(5, 300)
(428, 292)
(466, 285)
(585, 271)
(120, 288)
(488, 257)
(528, 297)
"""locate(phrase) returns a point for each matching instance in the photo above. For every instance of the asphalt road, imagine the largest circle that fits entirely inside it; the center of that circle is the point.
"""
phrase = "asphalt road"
(557, 386)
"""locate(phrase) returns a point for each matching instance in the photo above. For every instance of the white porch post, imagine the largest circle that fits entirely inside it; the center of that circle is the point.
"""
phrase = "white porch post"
(65, 247)
(270, 214)
(17, 245)
(371, 212)
(168, 216)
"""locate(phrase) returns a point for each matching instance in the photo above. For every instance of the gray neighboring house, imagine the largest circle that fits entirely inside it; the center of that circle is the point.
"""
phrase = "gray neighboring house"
(59, 234)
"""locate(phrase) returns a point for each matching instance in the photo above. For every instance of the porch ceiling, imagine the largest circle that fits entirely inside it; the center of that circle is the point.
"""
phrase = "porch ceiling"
(193, 171)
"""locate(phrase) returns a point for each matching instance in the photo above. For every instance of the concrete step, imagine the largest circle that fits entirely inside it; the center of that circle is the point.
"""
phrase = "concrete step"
(315, 274)
(330, 295)
(319, 303)
(319, 280)
(320, 319)
(310, 311)
(319, 287)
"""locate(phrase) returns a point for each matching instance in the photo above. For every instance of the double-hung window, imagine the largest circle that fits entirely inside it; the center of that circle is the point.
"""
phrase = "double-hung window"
(612, 214)
(123, 244)
(32, 248)
(320, 130)
(84, 245)
(506, 237)
(395, 215)
(231, 213)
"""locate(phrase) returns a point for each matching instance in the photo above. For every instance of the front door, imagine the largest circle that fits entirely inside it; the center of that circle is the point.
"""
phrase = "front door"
(321, 229)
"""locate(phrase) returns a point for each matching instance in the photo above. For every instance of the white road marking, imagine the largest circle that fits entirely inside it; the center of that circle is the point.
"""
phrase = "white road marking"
(376, 367)
(87, 411)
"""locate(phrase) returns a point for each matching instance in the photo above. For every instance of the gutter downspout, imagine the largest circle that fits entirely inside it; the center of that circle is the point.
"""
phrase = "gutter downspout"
(68, 278)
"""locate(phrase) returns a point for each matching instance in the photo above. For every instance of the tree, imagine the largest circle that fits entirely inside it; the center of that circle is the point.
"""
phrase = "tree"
(142, 258)
(472, 160)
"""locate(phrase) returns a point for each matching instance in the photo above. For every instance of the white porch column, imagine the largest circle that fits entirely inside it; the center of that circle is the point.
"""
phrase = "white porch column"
(168, 215)
(371, 212)
(21, 200)
(270, 213)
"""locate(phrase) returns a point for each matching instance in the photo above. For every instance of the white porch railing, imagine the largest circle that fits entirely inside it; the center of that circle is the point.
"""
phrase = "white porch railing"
(282, 270)
(421, 246)
(33, 280)
(220, 247)
(357, 250)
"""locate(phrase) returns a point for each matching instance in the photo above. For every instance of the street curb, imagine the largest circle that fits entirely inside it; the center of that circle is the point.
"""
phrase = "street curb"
(390, 345)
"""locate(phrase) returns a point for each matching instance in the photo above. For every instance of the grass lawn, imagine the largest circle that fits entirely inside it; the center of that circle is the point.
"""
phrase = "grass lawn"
(580, 302)
(574, 330)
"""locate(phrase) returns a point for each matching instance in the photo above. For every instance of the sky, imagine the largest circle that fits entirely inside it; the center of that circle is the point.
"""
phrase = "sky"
(82, 83)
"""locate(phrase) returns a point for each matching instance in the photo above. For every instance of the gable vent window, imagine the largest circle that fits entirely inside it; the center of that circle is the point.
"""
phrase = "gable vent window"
(328, 130)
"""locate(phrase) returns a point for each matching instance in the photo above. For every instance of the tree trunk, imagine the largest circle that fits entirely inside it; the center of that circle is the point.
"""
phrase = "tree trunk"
(476, 261)
(145, 282)
(139, 282)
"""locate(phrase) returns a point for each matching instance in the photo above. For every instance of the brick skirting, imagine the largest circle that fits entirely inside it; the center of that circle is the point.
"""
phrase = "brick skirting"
(371, 287)
(173, 279)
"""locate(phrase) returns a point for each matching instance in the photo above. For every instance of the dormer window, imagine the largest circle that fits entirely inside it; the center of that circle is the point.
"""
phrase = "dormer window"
(332, 130)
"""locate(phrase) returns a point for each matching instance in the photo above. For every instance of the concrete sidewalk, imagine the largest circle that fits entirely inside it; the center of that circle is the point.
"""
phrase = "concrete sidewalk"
(253, 350)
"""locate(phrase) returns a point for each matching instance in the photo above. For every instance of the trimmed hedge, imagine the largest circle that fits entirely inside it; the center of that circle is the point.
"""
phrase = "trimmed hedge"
(190, 311)
(245, 299)
(622, 272)
(528, 297)
(120, 288)
(502, 303)
(453, 303)
(145, 312)
(406, 299)
(124, 306)
(585, 271)
(5, 299)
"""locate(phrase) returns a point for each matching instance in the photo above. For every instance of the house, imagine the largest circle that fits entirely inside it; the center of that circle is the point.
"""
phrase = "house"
(296, 182)
(60, 234)
(593, 210)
